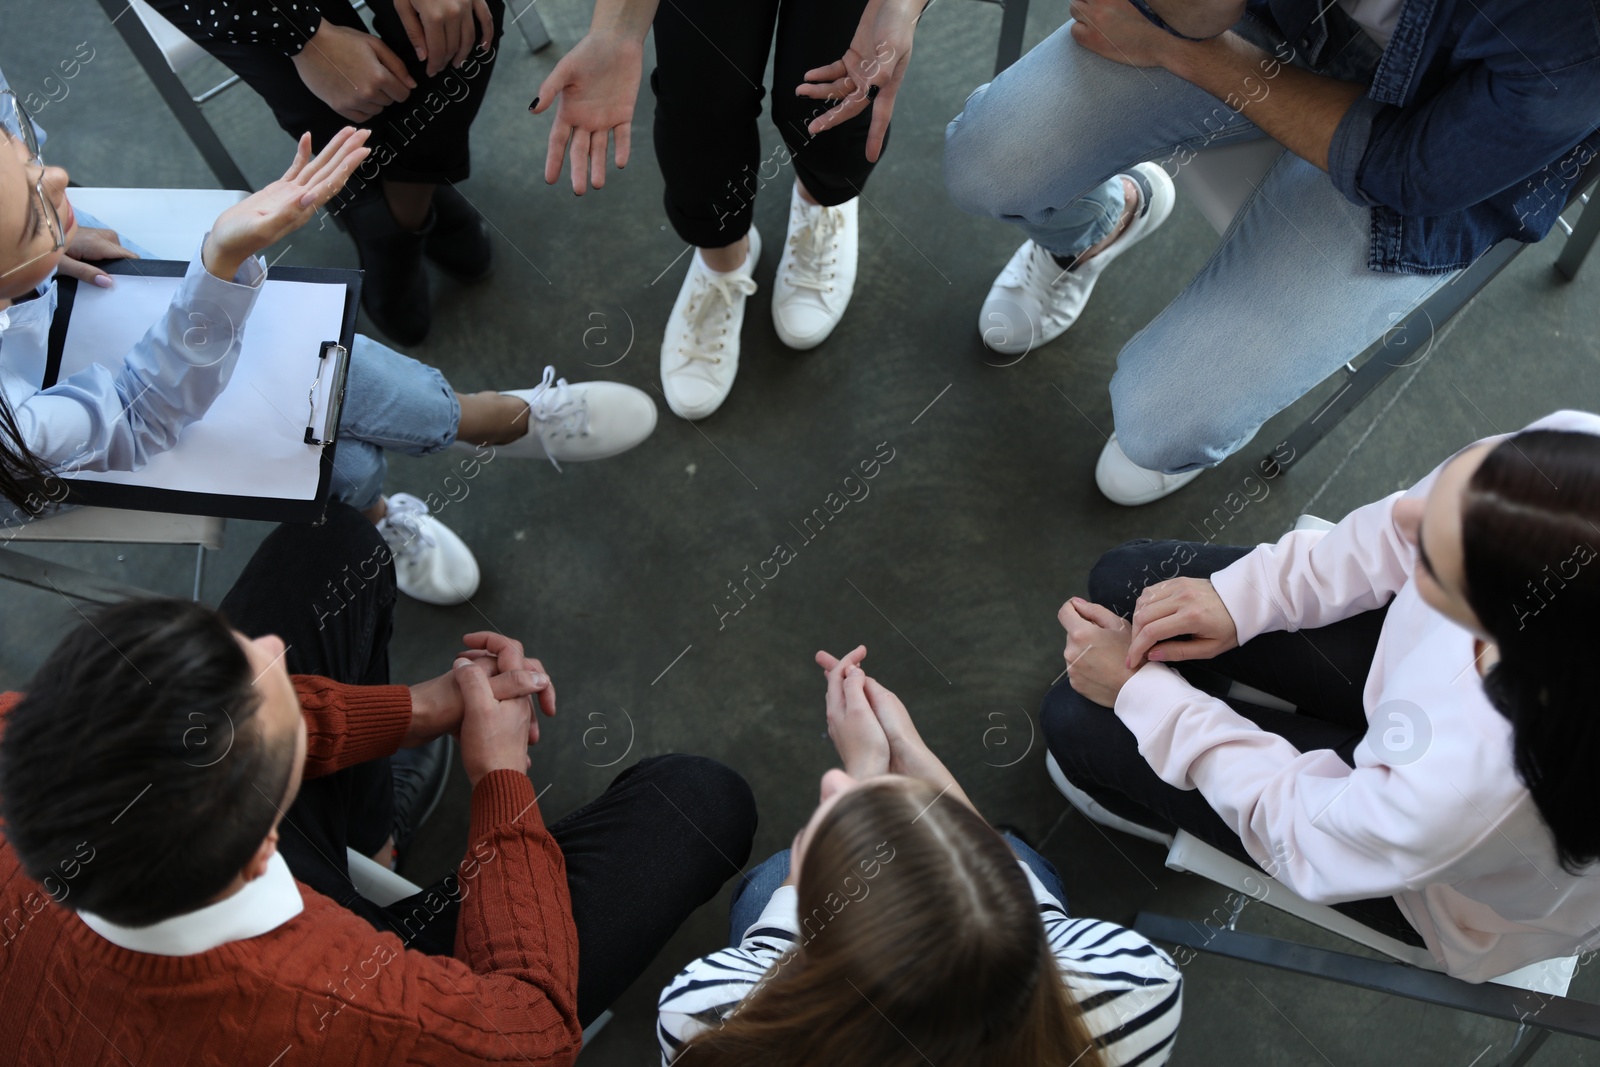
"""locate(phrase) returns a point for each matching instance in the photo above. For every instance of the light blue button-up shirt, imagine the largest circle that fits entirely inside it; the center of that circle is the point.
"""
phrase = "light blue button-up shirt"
(116, 416)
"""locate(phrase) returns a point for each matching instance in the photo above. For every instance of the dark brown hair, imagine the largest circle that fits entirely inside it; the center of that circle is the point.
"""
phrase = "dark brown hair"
(921, 941)
(1530, 532)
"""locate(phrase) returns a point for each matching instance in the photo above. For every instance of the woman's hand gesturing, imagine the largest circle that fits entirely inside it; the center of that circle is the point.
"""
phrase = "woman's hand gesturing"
(263, 218)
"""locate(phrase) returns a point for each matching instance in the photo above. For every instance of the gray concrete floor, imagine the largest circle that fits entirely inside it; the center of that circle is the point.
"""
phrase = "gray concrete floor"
(984, 522)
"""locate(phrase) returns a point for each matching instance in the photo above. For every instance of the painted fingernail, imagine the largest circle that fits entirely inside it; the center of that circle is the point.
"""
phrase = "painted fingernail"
(103, 280)
(534, 104)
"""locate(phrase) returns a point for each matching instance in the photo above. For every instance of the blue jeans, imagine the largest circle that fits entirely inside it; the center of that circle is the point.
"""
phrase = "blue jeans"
(1286, 299)
(391, 403)
(763, 880)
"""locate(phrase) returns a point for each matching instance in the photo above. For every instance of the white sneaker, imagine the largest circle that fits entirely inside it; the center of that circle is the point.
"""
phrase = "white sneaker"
(1035, 299)
(700, 351)
(1125, 482)
(817, 274)
(578, 423)
(431, 563)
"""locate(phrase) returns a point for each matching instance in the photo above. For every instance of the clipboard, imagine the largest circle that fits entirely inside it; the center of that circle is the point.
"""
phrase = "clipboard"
(316, 411)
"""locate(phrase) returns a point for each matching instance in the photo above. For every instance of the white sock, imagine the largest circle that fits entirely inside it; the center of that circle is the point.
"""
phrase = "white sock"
(740, 269)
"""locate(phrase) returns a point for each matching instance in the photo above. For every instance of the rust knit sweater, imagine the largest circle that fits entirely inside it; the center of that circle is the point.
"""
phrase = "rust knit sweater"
(325, 987)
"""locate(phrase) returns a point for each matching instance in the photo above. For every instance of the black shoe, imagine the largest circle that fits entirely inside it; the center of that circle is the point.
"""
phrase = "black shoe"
(459, 242)
(420, 775)
(395, 289)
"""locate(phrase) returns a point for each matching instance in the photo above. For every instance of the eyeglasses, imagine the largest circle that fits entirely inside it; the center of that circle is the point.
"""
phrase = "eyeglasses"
(19, 124)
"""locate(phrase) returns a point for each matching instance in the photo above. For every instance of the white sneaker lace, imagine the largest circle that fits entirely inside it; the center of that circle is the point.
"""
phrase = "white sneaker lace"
(816, 237)
(1038, 273)
(712, 305)
(556, 411)
(404, 521)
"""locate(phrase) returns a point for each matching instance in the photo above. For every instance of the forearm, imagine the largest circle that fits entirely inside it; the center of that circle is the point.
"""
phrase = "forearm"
(350, 724)
(1298, 109)
(625, 19)
(1198, 18)
(916, 760)
(280, 26)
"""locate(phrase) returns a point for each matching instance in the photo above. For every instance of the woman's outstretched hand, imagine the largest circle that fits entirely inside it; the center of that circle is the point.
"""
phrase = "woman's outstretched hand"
(263, 218)
(870, 73)
(594, 89)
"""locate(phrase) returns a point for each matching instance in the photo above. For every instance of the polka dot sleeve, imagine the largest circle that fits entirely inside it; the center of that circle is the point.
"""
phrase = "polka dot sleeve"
(284, 25)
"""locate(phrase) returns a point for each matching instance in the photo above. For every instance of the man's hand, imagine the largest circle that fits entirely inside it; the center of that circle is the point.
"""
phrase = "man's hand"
(597, 84)
(1199, 18)
(1180, 607)
(437, 705)
(1097, 650)
(494, 732)
(89, 246)
(352, 71)
(263, 218)
(444, 32)
(1118, 31)
(877, 59)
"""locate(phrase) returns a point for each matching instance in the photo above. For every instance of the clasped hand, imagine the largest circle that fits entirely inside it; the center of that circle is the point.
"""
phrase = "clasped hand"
(487, 701)
(869, 726)
(1179, 619)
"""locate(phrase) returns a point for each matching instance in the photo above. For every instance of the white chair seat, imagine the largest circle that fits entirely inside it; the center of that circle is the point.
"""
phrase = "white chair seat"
(1219, 180)
(177, 49)
(167, 222)
(1189, 853)
(114, 525)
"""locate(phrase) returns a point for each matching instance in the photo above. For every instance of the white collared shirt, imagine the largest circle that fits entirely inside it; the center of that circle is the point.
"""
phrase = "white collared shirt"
(262, 905)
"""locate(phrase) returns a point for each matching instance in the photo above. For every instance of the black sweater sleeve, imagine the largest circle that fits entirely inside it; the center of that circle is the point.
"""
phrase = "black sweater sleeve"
(284, 25)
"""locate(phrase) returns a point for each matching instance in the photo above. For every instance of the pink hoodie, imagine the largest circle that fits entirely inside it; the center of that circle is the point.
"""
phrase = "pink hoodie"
(1433, 812)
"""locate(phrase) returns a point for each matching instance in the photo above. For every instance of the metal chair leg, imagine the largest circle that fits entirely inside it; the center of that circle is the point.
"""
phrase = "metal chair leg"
(1579, 243)
(177, 97)
(1012, 22)
(533, 28)
(1522, 1051)
(199, 570)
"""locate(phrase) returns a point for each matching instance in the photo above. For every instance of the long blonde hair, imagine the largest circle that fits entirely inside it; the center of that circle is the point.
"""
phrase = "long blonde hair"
(921, 942)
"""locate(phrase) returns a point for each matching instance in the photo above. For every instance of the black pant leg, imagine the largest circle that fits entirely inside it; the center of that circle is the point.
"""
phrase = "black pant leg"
(813, 33)
(659, 842)
(329, 592)
(429, 131)
(711, 56)
(422, 139)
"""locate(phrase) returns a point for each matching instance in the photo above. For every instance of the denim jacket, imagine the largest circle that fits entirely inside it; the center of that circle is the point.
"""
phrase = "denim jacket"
(1480, 117)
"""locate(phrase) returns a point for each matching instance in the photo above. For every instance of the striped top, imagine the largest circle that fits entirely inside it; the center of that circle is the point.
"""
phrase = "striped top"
(1130, 991)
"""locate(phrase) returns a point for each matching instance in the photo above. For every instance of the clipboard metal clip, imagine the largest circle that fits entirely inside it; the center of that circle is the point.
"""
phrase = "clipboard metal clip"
(330, 423)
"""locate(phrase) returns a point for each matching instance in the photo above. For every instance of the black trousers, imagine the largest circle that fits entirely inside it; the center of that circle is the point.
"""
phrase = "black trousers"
(422, 139)
(658, 843)
(1320, 671)
(711, 56)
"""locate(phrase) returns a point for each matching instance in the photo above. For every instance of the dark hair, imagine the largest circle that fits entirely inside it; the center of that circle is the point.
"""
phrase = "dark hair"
(1530, 524)
(921, 941)
(24, 477)
(133, 772)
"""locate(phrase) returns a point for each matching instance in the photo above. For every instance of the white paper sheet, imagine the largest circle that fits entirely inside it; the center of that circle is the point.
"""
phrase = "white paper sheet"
(252, 441)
